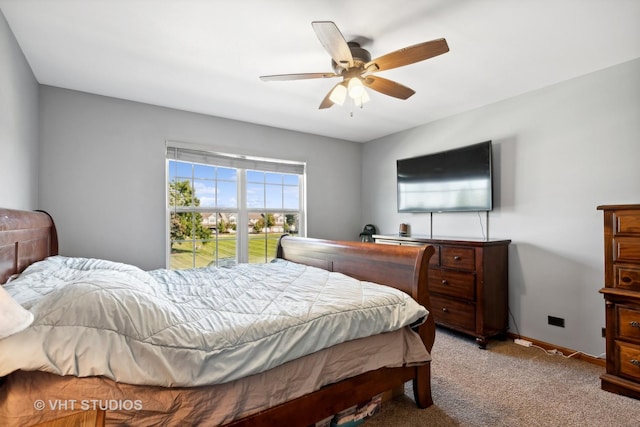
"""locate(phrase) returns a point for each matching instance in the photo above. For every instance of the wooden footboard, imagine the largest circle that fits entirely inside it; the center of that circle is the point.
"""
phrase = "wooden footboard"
(401, 267)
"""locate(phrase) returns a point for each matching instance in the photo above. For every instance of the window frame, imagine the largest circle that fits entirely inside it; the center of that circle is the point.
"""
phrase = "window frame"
(209, 157)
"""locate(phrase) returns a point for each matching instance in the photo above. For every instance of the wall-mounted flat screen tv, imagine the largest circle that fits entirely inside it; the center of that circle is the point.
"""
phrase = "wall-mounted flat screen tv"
(455, 180)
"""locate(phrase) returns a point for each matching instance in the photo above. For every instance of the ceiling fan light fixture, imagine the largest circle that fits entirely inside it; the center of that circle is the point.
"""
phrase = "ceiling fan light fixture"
(360, 101)
(338, 94)
(356, 88)
(363, 99)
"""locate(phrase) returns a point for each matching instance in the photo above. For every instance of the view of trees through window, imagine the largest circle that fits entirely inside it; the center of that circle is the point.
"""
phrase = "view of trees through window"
(221, 216)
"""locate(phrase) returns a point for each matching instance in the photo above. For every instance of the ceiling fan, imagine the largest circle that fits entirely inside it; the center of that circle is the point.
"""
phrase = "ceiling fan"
(355, 66)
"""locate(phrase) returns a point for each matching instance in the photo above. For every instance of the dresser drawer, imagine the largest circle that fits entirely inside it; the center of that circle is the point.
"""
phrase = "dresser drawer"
(626, 276)
(628, 322)
(459, 258)
(454, 283)
(627, 222)
(626, 249)
(628, 360)
(454, 313)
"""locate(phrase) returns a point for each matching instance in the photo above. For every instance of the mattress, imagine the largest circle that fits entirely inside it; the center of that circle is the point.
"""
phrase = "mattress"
(32, 397)
(190, 328)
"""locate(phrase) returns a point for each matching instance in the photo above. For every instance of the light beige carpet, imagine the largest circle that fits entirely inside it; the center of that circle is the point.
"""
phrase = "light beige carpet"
(509, 385)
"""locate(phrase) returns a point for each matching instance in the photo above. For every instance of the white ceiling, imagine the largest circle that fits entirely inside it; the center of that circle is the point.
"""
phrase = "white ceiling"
(205, 56)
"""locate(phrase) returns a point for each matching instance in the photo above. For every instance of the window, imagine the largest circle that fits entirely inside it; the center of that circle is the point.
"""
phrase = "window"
(225, 209)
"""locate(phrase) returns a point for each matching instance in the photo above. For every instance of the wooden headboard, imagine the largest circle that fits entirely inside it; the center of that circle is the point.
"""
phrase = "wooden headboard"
(25, 237)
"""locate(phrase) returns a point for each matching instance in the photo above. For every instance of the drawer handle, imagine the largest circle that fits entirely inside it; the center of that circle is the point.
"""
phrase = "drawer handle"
(457, 257)
(635, 362)
(634, 324)
(626, 279)
(445, 310)
(444, 282)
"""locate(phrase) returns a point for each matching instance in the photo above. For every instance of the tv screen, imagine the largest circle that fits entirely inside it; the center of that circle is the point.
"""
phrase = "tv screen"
(456, 180)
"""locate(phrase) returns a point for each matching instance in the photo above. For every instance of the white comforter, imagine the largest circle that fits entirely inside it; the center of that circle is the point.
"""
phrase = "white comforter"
(193, 327)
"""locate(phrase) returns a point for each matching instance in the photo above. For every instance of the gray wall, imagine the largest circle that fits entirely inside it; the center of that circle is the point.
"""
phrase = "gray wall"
(18, 125)
(558, 153)
(103, 172)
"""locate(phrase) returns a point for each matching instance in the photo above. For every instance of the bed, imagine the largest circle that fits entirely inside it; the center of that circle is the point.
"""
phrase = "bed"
(296, 392)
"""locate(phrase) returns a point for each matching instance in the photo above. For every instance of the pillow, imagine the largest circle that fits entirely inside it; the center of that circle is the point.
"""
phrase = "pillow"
(13, 318)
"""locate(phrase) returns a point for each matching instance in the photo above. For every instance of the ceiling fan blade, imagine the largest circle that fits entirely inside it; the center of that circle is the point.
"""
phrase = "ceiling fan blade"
(300, 76)
(327, 102)
(388, 87)
(333, 42)
(409, 55)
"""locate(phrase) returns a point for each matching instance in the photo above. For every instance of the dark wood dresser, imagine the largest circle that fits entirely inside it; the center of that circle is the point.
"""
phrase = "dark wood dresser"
(468, 283)
(622, 298)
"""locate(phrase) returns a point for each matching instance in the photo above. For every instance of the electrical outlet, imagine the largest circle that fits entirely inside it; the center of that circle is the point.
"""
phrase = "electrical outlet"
(555, 321)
